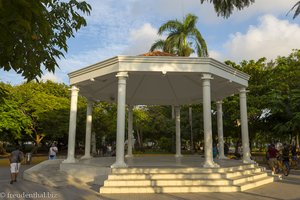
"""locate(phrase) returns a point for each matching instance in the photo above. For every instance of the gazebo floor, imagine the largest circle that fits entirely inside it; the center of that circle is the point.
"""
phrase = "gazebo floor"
(153, 174)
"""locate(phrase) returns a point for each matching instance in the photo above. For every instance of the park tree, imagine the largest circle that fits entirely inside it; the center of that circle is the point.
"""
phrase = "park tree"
(47, 108)
(104, 122)
(13, 122)
(285, 96)
(34, 34)
(257, 98)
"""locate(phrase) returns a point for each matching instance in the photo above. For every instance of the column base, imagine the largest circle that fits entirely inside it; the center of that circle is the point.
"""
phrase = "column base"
(128, 156)
(210, 164)
(119, 165)
(86, 157)
(178, 155)
(248, 161)
(69, 160)
(223, 158)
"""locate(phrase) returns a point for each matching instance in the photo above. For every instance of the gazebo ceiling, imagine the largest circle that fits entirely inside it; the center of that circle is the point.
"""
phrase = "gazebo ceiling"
(158, 80)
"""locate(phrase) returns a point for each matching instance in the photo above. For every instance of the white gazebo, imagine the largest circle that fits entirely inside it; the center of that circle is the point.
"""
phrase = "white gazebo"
(158, 80)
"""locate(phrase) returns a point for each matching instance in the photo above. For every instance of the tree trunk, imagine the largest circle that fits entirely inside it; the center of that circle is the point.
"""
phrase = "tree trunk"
(2, 149)
(140, 139)
(38, 138)
(297, 140)
(191, 126)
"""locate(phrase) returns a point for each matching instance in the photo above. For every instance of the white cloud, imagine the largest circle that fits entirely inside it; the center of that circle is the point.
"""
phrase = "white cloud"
(141, 39)
(270, 38)
(216, 55)
(84, 59)
(51, 77)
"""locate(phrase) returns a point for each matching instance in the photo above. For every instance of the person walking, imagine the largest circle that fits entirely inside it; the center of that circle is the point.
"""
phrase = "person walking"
(15, 160)
(294, 156)
(286, 158)
(52, 152)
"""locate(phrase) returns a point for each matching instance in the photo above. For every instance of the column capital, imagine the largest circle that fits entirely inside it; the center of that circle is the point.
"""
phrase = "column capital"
(122, 74)
(219, 102)
(89, 101)
(243, 90)
(177, 107)
(130, 106)
(74, 88)
(206, 77)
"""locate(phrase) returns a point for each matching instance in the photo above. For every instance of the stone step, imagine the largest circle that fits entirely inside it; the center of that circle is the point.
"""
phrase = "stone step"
(168, 182)
(157, 176)
(168, 189)
(256, 183)
(184, 182)
(247, 178)
(179, 170)
(243, 172)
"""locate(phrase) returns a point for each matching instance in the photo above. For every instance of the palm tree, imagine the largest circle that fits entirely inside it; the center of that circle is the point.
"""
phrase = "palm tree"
(183, 38)
(225, 8)
(297, 9)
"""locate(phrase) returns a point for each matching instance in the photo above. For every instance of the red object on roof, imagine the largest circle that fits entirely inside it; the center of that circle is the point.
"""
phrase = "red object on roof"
(157, 53)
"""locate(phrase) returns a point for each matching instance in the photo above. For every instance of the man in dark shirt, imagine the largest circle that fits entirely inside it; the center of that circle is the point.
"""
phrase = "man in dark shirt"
(15, 159)
(286, 158)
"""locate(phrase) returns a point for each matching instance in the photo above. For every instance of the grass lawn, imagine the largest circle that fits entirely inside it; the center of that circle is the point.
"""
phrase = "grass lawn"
(35, 160)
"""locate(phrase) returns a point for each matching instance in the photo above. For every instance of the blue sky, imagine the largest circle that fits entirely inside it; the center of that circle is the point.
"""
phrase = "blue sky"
(129, 27)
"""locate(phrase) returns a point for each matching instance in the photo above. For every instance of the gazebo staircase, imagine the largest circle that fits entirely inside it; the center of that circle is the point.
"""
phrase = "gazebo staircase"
(185, 180)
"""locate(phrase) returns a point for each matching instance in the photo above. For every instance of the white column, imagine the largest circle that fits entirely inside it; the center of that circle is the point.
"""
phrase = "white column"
(209, 162)
(88, 131)
(244, 127)
(72, 126)
(122, 76)
(94, 150)
(220, 130)
(129, 141)
(178, 139)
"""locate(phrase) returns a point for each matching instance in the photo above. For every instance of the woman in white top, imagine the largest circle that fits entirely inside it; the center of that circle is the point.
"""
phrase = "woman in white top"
(52, 152)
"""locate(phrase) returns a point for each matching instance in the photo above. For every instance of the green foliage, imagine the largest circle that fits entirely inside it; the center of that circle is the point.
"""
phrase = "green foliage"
(35, 33)
(273, 100)
(183, 37)
(165, 144)
(226, 7)
(285, 98)
(36, 110)
(13, 121)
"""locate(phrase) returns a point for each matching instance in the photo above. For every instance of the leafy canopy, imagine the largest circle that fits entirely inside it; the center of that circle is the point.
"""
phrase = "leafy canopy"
(225, 8)
(34, 33)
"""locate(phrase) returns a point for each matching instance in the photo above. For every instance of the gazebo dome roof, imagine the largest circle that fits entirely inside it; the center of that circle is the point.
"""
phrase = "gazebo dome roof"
(156, 78)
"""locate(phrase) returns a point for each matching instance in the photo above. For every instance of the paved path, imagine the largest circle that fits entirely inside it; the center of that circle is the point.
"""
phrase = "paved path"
(287, 189)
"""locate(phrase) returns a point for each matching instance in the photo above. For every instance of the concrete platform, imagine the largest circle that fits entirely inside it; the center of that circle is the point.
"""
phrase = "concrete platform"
(155, 174)
(287, 189)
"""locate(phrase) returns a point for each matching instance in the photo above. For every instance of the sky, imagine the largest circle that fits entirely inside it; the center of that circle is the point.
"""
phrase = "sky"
(129, 27)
